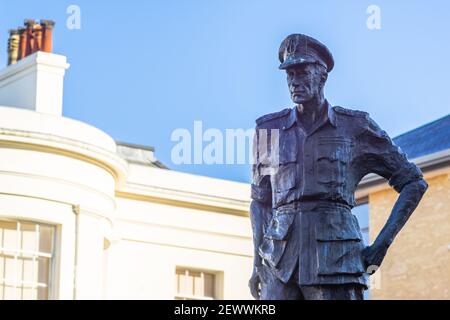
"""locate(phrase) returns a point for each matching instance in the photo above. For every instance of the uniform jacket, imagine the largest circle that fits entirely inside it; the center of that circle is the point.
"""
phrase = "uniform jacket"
(308, 180)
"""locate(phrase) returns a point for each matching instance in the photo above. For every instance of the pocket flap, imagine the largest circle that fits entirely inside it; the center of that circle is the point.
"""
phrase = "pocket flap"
(339, 257)
(279, 226)
(285, 177)
(334, 149)
(288, 149)
(272, 251)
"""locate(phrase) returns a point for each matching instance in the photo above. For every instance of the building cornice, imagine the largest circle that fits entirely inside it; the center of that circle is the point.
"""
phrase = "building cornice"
(184, 199)
(43, 142)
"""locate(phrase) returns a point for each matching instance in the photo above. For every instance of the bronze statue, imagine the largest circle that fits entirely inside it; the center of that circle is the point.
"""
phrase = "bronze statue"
(308, 244)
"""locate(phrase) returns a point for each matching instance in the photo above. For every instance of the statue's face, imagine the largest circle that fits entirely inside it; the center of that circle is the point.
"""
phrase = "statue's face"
(305, 82)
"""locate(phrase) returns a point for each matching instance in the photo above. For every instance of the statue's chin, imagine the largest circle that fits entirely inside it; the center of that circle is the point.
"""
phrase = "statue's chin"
(298, 100)
(303, 100)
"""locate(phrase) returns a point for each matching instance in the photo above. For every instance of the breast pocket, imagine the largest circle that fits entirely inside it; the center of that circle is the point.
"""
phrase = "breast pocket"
(285, 175)
(332, 159)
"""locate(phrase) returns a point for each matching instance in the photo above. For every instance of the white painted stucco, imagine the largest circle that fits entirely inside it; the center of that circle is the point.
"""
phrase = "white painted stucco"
(122, 226)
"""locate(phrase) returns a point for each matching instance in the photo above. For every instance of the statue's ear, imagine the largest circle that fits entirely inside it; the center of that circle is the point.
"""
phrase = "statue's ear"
(323, 78)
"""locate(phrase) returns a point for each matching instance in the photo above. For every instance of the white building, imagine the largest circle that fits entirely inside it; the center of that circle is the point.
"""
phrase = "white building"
(84, 217)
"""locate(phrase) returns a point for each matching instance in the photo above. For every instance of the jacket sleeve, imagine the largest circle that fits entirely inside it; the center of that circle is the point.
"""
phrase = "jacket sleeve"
(383, 157)
(261, 206)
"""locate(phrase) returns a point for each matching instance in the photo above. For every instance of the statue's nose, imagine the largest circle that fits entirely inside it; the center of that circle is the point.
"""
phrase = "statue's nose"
(294, 85)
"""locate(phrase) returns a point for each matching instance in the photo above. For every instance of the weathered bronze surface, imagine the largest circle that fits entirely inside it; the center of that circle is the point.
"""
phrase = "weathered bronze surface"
(308, 244)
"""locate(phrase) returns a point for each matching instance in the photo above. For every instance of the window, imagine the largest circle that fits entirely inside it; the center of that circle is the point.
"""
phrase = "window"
(26, 256)
(361, 211)
(194, 285)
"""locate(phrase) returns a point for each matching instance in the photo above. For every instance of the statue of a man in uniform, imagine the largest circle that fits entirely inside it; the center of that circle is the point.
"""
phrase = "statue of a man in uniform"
(308, 244)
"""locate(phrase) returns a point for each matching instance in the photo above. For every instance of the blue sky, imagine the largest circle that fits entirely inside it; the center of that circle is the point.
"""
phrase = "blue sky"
(141, 69)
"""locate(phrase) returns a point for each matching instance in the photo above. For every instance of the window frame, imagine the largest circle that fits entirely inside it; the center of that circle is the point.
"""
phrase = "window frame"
(183, 296)
(34, 255)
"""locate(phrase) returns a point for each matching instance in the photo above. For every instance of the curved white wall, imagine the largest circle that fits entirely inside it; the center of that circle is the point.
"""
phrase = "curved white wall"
(62, 172)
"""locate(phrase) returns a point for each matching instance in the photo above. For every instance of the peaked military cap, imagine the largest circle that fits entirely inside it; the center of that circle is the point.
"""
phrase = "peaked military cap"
(300, 48)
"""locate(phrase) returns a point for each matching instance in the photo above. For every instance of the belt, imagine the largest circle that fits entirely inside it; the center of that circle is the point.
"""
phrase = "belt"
(311, 205)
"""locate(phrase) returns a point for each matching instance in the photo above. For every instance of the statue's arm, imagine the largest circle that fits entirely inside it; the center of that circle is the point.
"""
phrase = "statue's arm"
(260, 213)
(407, 202)
(260, 209)
(388, 160)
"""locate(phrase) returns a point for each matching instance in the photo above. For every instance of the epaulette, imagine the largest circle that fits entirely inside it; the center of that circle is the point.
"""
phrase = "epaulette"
(271, 116)
(350, 112)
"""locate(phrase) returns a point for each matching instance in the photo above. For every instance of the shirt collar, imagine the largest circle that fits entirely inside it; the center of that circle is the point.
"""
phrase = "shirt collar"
(293, 116)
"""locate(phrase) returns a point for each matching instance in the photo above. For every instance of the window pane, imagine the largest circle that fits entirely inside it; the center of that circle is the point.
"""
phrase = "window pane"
(29, 270)
(181, 283)
(9, 237)
(177, 286)
(2, 267)
(42, 293)
(362, 214)
(209, 285)
(10, 292)
(44, 270)
(29, 294)
(19, 272)
(198, 286)
(189, 284)
(46, 239)
(10, 269)
(28, 236)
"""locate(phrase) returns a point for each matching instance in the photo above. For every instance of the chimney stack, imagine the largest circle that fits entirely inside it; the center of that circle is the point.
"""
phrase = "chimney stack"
(34, 37)
(13, 46)
(34, 78)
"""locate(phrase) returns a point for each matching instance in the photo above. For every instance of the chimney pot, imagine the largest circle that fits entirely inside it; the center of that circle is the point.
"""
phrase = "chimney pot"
(29, 23)
(47, 23)
(47, 36)
(37, 35)
(13, 46)
(22, 42)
